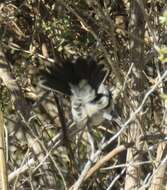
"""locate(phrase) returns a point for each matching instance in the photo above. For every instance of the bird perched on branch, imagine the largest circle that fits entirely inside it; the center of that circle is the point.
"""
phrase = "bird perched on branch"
(82, 80)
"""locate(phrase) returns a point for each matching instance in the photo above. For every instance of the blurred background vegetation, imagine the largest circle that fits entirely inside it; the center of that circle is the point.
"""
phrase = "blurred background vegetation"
(130, 38)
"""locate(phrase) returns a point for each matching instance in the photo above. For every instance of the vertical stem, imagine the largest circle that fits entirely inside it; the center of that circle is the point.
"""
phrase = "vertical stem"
(137, 28)
(3, 170)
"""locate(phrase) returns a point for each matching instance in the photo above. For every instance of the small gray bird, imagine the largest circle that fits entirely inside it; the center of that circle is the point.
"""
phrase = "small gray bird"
(82, 80)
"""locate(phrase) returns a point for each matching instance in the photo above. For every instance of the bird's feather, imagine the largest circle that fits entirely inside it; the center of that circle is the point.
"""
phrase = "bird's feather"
(60, 77)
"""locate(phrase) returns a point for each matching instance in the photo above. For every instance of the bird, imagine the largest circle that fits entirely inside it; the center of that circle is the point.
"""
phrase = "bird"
(82, 79)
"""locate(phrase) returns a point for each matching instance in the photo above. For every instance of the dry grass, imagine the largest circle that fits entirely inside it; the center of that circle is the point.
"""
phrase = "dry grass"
(44, 152)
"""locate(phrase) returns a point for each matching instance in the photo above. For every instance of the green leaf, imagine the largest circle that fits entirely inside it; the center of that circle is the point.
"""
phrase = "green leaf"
(164, 96)
(163, 19)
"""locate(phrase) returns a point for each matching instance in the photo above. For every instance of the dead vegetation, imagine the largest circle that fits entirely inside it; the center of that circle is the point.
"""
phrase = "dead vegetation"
(43, 149)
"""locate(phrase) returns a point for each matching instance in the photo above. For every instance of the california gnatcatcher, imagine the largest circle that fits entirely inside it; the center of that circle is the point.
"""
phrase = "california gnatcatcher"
(82, 80)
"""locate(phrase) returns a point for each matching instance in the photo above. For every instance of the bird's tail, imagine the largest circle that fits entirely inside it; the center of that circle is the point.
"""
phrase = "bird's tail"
(69, 74)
